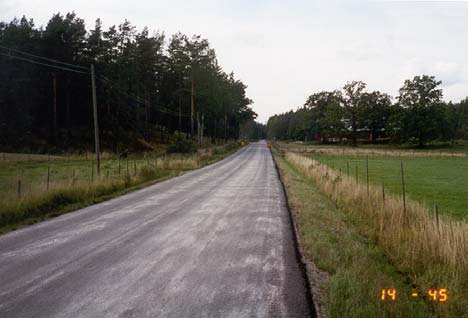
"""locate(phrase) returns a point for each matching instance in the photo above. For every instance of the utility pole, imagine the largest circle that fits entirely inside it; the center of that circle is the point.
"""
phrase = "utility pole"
(96, 127)
(225, 127)
(192, 108)
(147, 114)
(198, 128)
(54, 82)
(202, 127)
(180, 113)
(68, 108)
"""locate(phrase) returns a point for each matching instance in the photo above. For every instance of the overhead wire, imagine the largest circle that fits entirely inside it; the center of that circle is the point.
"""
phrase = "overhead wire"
(43, 64)
(101, 78)
(43, 58)
(140, 100)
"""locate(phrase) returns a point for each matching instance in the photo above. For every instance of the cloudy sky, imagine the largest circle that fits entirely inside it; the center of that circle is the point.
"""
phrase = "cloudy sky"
(286, 50)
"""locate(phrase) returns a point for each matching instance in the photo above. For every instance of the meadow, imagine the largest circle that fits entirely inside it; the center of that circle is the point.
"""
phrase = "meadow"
(42, 174)
(431, 180)
(433, 176)
(36, 187)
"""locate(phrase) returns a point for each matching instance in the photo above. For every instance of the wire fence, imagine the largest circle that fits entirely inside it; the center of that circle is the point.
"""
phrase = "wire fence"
(26, 175)
(375, 152)
(437, 182)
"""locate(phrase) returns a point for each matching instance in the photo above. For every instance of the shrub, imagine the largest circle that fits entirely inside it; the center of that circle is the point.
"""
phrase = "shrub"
(181, 145)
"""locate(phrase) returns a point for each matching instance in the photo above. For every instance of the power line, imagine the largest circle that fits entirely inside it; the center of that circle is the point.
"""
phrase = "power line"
(104, 79)
(101, 78)
(43, 64)
(142, 101)
(43, 58)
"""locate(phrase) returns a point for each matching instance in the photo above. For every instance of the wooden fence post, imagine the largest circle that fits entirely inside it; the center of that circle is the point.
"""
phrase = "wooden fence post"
(127, 168)
(48, 177)
(403, 186)
(367, 174)
(19, 189)
(436, 215)
(357, 178)
(383, 191)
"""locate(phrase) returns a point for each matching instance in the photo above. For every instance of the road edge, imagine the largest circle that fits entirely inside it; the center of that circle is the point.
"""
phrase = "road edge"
(304, 265)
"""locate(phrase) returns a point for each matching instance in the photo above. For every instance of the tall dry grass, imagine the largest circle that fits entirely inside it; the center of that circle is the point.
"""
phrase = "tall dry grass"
(37, 187)
(432, 255)
(37, 197)
(12, 157)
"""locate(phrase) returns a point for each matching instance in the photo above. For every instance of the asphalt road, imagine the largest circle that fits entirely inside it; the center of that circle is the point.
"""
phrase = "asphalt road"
(215, 242)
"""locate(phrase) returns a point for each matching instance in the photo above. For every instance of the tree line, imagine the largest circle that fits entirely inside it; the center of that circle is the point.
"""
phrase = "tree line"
(418, 115)
(149, 86)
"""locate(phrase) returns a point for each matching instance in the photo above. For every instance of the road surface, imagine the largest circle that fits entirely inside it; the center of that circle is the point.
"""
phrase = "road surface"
(215, 242)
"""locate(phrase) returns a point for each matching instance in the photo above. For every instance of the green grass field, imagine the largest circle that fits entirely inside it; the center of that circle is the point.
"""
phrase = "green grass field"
(33, 188)
(429, 180)
(459, 146)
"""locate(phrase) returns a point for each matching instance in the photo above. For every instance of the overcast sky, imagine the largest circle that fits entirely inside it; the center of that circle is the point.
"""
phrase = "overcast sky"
(287, 50)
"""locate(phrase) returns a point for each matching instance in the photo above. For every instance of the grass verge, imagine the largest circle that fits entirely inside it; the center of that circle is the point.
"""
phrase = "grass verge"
(68, 195)
(365, 250)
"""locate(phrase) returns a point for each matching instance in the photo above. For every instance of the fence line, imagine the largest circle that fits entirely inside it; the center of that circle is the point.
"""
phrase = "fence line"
(372, 152)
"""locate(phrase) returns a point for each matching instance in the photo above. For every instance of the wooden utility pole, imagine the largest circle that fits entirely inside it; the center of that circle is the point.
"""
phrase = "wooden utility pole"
(54, 84)
(202, 127)
(96, 126)
(147, 114)
(68, 115)
(192, 108)
(180, 112)
(225, 127)
(198, 128)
